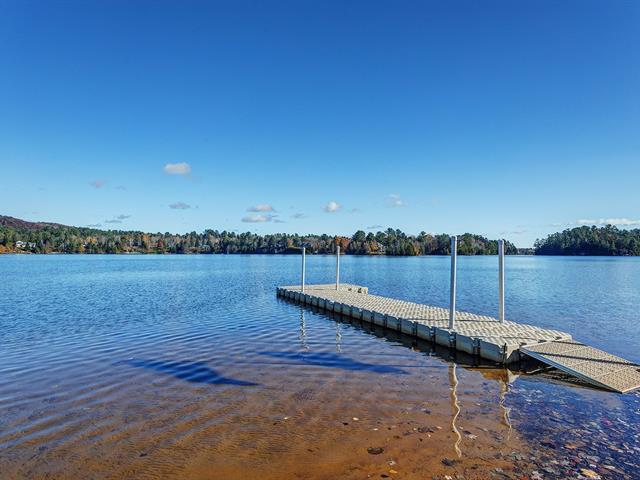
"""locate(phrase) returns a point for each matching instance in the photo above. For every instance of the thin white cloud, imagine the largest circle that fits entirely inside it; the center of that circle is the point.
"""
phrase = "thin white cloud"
(394, 201)
(375, 227)
(97, 183)
(257, 218)
(118, 219)
(94, 225)
(621, 221)
(263, 207)
(277, 220)
(626, 222)
(332, 207)
(182, 168)
(180, 206)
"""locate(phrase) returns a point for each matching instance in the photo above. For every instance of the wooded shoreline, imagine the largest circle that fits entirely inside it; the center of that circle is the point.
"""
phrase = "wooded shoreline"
(20, 236)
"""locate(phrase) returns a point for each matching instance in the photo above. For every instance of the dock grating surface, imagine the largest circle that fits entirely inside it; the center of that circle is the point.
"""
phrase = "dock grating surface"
(472, 329)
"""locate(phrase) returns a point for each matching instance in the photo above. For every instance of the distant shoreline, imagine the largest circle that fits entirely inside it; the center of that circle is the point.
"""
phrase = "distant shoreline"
(149, 254)
(18, 235)
(21, 236)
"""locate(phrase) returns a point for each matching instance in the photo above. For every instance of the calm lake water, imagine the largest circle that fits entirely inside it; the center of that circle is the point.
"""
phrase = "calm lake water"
(190, 367)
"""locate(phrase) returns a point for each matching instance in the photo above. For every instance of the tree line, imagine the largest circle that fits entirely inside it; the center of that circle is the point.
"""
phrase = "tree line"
(21, 236)
(63, 239)
(585, 240)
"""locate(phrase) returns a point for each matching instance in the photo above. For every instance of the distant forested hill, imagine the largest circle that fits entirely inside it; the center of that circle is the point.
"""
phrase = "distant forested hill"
(18, 224)
(607, 240)
(36, 237)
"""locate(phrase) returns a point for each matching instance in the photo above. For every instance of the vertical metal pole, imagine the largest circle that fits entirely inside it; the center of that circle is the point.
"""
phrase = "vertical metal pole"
(452, 301)
(303, 268)
(501, 280)
(337, 267)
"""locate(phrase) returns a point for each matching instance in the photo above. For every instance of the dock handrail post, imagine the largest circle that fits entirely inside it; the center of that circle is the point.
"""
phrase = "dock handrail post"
(337, 267)
(303, 269)
(452, 301)
(501, 280)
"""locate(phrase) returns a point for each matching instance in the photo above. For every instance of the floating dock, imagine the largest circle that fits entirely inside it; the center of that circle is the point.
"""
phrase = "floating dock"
(501, 341)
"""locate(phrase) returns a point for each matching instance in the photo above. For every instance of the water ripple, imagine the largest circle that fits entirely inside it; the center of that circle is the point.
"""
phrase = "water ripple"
(174, 367)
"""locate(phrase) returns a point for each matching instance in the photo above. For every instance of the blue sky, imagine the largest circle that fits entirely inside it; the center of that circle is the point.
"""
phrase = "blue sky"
(510, 119)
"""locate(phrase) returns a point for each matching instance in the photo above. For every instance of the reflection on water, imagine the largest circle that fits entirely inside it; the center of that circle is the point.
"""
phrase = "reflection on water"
(504, 389)
(303, 331)
(456, 407)
(190, 367)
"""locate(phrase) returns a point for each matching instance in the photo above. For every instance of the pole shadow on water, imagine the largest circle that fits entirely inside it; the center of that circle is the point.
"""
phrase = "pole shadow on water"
(195, 372)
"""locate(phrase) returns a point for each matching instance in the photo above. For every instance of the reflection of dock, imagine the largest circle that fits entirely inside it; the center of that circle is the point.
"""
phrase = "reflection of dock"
(486, 337)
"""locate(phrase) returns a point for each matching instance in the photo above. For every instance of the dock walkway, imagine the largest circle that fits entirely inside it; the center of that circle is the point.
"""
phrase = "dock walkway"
(484, 336)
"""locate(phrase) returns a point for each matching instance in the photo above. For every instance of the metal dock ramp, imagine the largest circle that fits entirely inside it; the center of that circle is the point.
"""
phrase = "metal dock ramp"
(588, 364)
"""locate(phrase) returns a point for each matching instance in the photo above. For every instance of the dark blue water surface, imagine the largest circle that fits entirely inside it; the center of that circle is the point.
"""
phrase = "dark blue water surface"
(108, 359)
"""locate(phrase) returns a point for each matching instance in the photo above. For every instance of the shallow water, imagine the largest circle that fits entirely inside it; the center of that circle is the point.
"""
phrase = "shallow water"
(190, 367)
